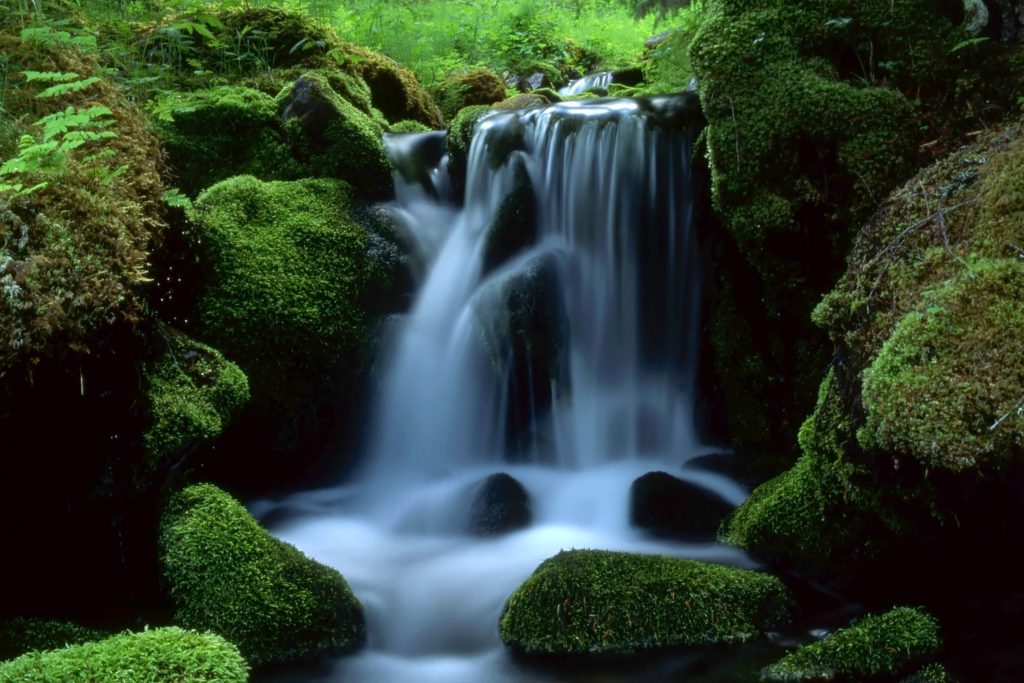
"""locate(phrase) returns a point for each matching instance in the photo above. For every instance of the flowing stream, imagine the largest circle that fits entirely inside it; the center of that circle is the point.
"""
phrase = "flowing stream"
(553, 338)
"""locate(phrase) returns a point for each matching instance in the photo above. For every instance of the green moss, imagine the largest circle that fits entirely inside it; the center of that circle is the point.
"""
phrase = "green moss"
(289, 271)
(878, 645)
(18, 636)
(590, 601)
(214, 134)
(947, 385)
(332, 137)
(394, 89)
(409, 127)
(192, 393)
(460, 90)
(228, 575)
(163, 654)
(931, 673)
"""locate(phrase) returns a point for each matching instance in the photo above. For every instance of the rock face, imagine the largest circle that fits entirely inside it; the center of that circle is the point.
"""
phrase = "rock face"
(229, 576)
(885, 645)
(669, 506)
(598, 602)
(160, 654)
(500, 505)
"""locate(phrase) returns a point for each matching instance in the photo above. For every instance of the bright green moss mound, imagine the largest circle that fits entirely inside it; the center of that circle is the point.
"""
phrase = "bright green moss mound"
(229, 576)
(594, 601)
(157, 656)
(332, 136)
(394, 89)
(193, 393)
(460, 90)
(289, 270)
(878, 645)
(213, 134)
(409, 127)
(947, 386)
(18, 636)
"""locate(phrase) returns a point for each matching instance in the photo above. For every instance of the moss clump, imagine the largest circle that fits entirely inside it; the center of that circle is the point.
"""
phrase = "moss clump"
(229, 576)
(931, 673)
(947, 386)
(163, 654)
(878, 645)
(289, 272)
(192, 393)
(394, 89)
(331, 136)
(214, 134)
(18, 636)
(591, 601)
(460, 90)
(409, 127)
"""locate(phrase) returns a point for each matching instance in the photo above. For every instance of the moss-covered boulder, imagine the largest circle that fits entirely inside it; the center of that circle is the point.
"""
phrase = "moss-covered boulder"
(810, 124)
(292, 287)
(888, 644)
(460, 90)
(162, 654)
(337, 139)
(18, 636)
(394, 89)
(228, 575)
(192, 394)
(599, 602)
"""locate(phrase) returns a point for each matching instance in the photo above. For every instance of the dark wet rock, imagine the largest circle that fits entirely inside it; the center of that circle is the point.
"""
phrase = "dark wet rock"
(515, 225)
(501, 505)
(669, 506)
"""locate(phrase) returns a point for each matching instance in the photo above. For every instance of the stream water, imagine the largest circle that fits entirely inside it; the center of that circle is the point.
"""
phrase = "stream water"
(554, 338)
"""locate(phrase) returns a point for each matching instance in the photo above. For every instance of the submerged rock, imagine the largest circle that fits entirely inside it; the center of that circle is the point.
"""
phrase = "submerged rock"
(160, 654)
(500, 505)
(669, 506)
(599, 602)
(229, 576)
(888, 644)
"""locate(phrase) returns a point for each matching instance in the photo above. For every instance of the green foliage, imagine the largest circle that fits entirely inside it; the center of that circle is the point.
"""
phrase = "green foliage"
(192, 393)
(591, 601)
(931, 673)
(878, 645)
(408, 126)
(163, 654)
(229, 576)
(18, 636)
(666, 65)
(289, 275)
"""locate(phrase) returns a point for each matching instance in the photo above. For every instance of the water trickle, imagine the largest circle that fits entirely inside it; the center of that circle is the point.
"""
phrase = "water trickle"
(554, 338)
(579, 86)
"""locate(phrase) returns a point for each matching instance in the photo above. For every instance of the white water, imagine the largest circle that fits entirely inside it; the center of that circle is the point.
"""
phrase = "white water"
(614, 237)
(599, 80)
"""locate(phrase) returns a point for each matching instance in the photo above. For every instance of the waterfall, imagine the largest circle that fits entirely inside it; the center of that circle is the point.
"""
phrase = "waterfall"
(553, 338)
(599, 80)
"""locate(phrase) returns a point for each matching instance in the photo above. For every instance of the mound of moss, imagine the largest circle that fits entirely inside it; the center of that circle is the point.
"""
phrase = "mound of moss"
(888, 644)
(289, 294)
(73, 252)
(20, 635)
(592, 601)
(409, 127)
(192, 394)
(460, 90)
(228, 575)
(931, 673)
(394, 89)
(163, 654)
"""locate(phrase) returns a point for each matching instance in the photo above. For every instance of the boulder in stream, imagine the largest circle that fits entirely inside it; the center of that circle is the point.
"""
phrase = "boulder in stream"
(500, 505)
(588, 602)
(669, 506)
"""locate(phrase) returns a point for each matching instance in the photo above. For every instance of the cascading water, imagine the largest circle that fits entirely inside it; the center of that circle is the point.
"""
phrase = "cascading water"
(601, 79)
(553, 338)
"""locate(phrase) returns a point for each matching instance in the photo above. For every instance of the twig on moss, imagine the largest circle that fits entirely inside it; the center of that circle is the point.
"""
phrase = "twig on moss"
(1017, 407)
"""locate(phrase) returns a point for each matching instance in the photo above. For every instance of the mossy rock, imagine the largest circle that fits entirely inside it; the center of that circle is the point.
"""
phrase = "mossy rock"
(228, 575)
(931, 673)
(162, 654)
(192, 393)
(292, 280)
(599, 602)
(332, 137)
(460, 90)
(394, 89)
(408, 126)
(221, 132)
(18, 636)
(946, 388)
(459, 139)
(881, 645)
